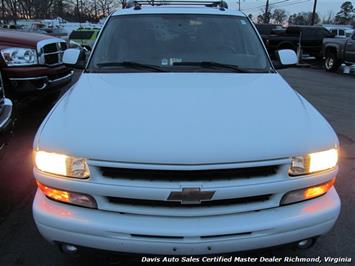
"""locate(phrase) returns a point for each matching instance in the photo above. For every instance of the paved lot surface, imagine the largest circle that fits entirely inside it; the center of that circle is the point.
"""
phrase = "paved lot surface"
(20, 243)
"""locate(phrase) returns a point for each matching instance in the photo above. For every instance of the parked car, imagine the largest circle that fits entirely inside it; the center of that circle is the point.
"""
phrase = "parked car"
(339, 30)
(85, 37)
(5, 116)
(12, 27)
(31, 64)
(268, 29)
(310, 37)
(337, 51)
(178, 141)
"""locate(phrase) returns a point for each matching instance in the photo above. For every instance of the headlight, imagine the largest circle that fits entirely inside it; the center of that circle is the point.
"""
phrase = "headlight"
(60, 164)
(19, 56)
(313, 162)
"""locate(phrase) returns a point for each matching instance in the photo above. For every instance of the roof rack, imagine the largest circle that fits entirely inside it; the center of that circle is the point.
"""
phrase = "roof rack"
(137, 4)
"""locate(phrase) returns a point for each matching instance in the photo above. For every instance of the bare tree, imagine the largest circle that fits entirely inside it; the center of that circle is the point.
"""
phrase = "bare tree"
(279, 15)
(329, 18)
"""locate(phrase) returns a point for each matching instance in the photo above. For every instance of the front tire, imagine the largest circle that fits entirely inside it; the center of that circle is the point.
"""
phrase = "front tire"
(332, 63)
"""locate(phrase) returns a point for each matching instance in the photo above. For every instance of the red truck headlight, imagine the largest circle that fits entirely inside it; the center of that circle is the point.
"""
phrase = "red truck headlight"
(17, 56)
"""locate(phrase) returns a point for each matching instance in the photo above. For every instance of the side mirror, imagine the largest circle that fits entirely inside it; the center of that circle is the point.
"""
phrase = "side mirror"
(71, 56)
(287, 57)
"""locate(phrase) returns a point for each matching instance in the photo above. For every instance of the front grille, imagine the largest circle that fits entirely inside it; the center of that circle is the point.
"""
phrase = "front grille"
(145, 191)
(52, 53)
(210, 203)
(50, 48)
(179, 175)
(51, 59)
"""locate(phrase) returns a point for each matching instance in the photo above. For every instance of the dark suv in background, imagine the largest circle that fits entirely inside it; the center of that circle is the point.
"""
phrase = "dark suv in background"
(310, 37)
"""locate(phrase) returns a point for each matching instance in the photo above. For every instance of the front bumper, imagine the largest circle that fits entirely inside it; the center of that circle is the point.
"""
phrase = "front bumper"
(29, 79)
(185, 235)
(40, 83)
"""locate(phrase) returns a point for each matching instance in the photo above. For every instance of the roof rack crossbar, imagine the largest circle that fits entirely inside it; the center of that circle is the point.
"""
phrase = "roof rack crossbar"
(139, 3)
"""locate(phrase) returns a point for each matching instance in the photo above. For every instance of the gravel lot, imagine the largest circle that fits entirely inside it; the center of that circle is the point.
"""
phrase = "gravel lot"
(20, 243)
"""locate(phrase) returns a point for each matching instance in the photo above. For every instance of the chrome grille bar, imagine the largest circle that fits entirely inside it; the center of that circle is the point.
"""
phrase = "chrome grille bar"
(52, 58)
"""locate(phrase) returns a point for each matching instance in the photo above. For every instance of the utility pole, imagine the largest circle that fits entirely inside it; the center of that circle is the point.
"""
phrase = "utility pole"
(266, 15)
(239, 4)
(314, 12)
(78, 10)
(95, 6)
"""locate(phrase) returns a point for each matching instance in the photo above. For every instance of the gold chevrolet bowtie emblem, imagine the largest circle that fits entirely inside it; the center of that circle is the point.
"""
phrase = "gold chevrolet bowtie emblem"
(191, 196)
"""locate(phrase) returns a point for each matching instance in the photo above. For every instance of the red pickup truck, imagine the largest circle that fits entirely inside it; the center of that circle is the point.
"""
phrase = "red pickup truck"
(31, 64)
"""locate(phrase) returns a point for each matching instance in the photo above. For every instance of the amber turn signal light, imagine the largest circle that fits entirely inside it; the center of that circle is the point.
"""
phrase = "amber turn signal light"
(69, 197)
(307, 193)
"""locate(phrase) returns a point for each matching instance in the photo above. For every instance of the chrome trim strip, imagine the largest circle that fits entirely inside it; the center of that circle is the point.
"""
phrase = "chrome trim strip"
(43, 87)
(25, 79)
(57, 52)
(41, 54)
(62, 78)
(7, 104)
(46, 80)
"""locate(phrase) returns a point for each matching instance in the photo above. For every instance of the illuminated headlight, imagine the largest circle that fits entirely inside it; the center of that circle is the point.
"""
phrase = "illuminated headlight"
(19, 56)
(60, 164)
(314, 162)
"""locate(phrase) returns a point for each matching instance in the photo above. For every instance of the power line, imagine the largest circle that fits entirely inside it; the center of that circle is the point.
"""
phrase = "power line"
(282, 1)
(277, 3)
(296, 3)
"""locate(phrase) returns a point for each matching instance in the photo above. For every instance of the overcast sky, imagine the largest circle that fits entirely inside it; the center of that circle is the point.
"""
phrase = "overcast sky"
(293, 6)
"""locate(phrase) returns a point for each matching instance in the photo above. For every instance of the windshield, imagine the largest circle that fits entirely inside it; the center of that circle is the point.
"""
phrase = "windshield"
(179, 42)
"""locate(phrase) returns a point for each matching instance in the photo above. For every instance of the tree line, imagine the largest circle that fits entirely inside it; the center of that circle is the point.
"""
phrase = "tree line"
(345, 16)
(71, 10)
(93, 10)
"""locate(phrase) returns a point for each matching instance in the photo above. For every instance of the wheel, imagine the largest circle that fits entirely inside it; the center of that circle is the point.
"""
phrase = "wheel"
(331, 62)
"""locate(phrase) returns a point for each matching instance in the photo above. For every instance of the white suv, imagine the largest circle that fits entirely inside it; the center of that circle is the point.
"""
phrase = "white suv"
(181, 138)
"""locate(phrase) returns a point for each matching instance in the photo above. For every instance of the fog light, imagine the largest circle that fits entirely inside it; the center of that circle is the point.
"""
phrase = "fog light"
(67, 196)
(307, 193)
(307, 243)
(69, 249)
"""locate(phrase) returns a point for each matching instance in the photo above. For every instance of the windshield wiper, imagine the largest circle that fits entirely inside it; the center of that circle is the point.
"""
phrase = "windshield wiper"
(211, 64)
(130, 64)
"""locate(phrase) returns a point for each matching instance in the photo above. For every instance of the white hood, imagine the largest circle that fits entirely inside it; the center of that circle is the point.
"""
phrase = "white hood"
(184, 118)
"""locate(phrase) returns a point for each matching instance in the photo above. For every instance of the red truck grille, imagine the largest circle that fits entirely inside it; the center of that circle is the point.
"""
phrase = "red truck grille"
(51, 53)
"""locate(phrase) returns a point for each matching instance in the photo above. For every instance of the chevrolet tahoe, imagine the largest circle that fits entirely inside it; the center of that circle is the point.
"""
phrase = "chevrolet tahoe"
(180, 137)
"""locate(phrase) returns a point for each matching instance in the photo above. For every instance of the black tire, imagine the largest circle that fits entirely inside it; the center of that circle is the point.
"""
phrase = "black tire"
(331, 63)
